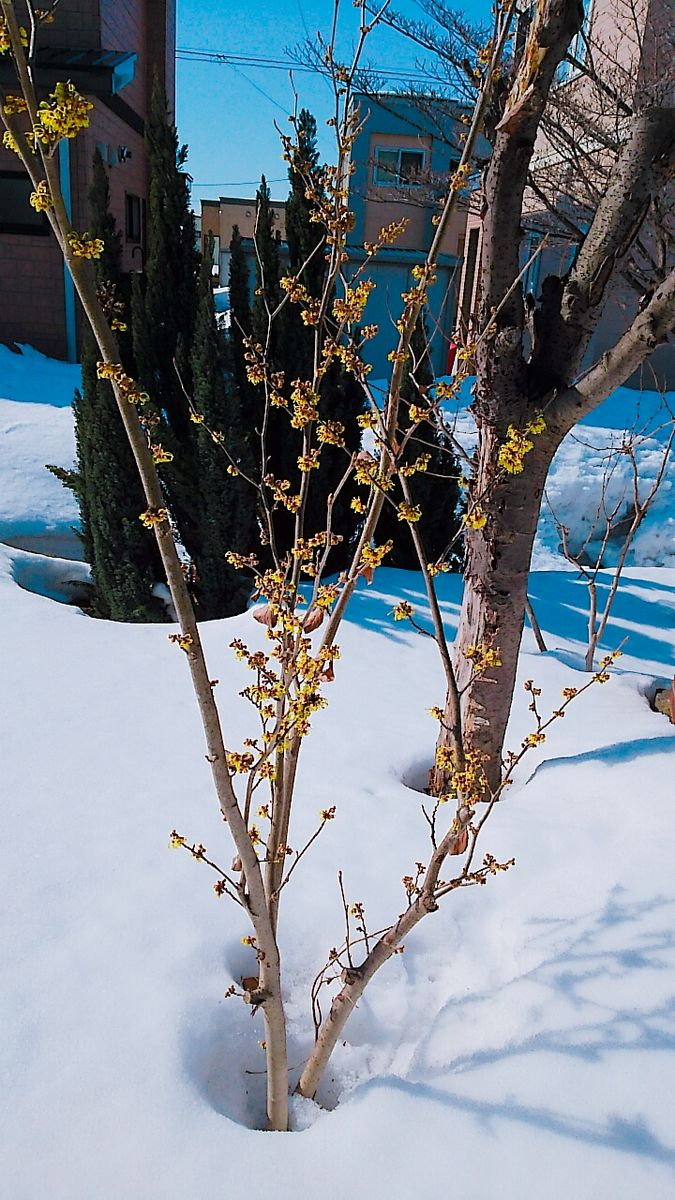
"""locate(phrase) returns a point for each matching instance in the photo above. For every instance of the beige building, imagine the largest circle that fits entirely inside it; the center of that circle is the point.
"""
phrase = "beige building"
(631, 42)
(219, 217)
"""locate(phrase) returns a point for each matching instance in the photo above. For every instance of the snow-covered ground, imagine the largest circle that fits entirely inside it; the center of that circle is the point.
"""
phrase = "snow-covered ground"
(524, 1043)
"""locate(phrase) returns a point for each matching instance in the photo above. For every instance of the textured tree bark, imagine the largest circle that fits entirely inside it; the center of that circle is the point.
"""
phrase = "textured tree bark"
(495, 592)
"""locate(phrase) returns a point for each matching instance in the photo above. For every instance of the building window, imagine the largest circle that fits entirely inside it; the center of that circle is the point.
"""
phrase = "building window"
(16, 213)
(133, 221)
(398, 168)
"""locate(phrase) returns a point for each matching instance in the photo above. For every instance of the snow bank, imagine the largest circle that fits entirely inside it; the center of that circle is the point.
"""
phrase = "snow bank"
(28, 376)
(32, 500)
(526, 1034)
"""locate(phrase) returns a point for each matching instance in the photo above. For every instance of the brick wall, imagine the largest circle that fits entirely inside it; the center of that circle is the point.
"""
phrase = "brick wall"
(32, 306)
(32, 299)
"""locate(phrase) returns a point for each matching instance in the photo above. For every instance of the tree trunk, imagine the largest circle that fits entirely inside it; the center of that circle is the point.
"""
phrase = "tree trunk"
(495, 592)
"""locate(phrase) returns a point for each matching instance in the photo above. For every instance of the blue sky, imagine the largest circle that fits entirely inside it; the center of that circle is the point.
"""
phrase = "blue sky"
(227, 115)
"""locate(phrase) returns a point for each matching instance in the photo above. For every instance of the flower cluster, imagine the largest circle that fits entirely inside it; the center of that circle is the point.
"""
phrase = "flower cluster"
(408, 512)
(373, 556)
(331, 433)
(14, 104)
(82, 245)
(349, 308)
(476, 517)
(281, 491)
(466, 781)
(483, 657)
(346, 353)
(10, 142)
(305, 404)
(518, 444)
(5, 39)
(154, 516)
(41, 198)
(182, 640)
(387, 236)
(298, 294)
(403, 611)
(421, 463)
(126, 385)
(602, 674)
(459, 178)
(63, 114)
(308, 462)
(306, 551)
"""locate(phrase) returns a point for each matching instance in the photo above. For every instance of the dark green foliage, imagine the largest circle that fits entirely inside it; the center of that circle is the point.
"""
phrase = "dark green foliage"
(227, 517)
(435, 490)
(178, 354)
(341, 396)
(282, 444)
(166, 320)
(104, 226)
(240, 313)
(290, 349)
(121, 553)
(302, 234)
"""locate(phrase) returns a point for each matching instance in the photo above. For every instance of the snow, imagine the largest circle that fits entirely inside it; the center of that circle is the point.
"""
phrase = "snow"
(523, 1044)
(27, 375)
(36, 428)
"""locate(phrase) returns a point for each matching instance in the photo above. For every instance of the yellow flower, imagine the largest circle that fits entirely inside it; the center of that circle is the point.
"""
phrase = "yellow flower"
(409, 512)
(6, 41)
(476, 518)
(14, 104)
(10, 143)
(84, 246)
(41, 199)
(403, 611)
(64, 113)
(331, 433)
(483, 657)
(154, 516)
(308, 462)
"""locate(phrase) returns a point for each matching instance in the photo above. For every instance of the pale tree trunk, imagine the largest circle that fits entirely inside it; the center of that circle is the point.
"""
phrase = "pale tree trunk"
(253, 896)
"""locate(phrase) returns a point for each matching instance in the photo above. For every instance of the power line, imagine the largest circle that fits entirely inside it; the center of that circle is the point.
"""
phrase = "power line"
(224, 58)
(237, 70)
(238, 182)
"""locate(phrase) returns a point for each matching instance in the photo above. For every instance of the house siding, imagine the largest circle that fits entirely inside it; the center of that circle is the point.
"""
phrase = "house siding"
(32, 303)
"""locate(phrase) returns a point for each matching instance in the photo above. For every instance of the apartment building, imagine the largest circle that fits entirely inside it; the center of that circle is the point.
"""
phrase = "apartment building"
(110, 50)
(402, 158)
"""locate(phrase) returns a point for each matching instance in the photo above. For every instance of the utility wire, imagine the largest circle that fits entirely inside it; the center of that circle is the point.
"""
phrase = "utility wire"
(224, 58)
(238, 182)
